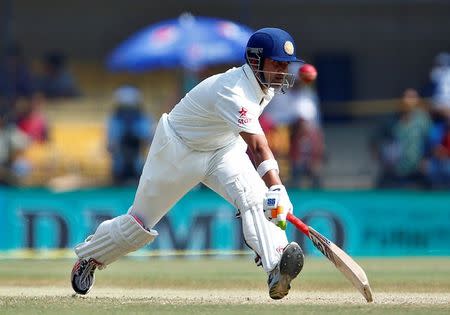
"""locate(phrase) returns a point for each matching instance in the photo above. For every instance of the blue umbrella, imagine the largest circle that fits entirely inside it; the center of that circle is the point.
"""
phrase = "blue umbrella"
(188, 42)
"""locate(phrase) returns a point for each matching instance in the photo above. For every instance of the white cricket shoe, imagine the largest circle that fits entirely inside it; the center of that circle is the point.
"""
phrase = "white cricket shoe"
(82, 276)
(290, 265)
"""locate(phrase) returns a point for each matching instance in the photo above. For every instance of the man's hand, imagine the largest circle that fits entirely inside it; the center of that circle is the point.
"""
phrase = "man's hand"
(276, 205)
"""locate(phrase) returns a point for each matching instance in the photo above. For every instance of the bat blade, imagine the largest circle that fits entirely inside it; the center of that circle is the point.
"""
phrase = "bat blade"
(343, 262)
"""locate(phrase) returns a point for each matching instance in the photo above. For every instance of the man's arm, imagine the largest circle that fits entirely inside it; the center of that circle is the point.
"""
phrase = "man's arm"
(259, 146)
(276, 203)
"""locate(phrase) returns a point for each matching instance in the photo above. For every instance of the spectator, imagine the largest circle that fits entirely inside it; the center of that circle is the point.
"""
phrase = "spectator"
(129, 132)
(31, 119)
(440, 84)
(437, 165)
(12, 144)
(299, 110)
(400, 144)
(15, 78)
(306, 149)
(57, 81)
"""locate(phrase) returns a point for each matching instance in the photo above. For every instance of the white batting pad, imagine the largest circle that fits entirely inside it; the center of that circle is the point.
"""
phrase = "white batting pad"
(266, 239)
(115, 238)
(235, 178)
(269, 256)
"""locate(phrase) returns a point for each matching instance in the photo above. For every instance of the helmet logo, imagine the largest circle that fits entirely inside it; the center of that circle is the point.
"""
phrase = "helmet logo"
(289, 47)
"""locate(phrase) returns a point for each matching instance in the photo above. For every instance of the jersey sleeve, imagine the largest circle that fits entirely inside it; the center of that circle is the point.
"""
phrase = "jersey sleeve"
(238, 112)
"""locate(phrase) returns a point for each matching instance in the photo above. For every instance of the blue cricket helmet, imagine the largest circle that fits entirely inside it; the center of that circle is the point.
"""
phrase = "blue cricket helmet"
(273, 43)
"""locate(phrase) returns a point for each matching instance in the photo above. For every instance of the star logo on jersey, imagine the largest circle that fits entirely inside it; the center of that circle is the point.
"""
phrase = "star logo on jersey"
(243, 116)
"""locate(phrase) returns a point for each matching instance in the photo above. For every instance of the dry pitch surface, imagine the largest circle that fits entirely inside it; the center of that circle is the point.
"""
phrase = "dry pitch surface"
(201, 286)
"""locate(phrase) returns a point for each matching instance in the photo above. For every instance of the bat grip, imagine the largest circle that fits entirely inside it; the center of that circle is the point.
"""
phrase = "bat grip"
(298, 223)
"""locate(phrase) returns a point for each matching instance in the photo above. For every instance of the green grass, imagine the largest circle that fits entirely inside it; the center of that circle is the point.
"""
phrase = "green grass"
(417, 275)
(390, 274)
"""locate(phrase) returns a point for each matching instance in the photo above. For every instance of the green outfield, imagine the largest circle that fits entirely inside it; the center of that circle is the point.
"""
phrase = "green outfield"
(223, 286)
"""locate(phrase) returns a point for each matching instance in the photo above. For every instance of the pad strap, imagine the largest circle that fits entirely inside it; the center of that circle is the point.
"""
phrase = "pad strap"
(267, 165)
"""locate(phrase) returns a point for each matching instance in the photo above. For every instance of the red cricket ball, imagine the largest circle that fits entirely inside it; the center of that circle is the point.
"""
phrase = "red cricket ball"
(307, 73)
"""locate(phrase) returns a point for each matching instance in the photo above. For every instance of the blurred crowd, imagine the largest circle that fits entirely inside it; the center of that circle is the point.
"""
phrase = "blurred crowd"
(23, 94)
(411, 147)
(129, 134)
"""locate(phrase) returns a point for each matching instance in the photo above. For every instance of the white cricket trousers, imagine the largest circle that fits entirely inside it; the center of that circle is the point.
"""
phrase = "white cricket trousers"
(172, 169)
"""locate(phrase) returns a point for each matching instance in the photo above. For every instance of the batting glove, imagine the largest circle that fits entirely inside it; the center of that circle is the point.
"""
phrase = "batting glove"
(276, 205)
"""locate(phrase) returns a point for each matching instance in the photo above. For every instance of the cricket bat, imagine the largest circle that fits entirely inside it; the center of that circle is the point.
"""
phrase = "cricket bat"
(351, 270)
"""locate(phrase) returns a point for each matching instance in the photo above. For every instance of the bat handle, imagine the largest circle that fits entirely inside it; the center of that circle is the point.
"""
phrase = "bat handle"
(298, 223)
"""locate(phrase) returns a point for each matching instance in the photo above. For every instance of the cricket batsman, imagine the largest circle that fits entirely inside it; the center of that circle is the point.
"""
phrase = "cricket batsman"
(204, 139)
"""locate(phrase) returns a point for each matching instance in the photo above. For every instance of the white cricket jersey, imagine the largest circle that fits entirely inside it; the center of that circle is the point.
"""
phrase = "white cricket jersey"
(213, 113)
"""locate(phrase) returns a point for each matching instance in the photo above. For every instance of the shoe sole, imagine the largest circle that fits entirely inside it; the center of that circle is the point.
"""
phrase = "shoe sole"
(289, 270)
